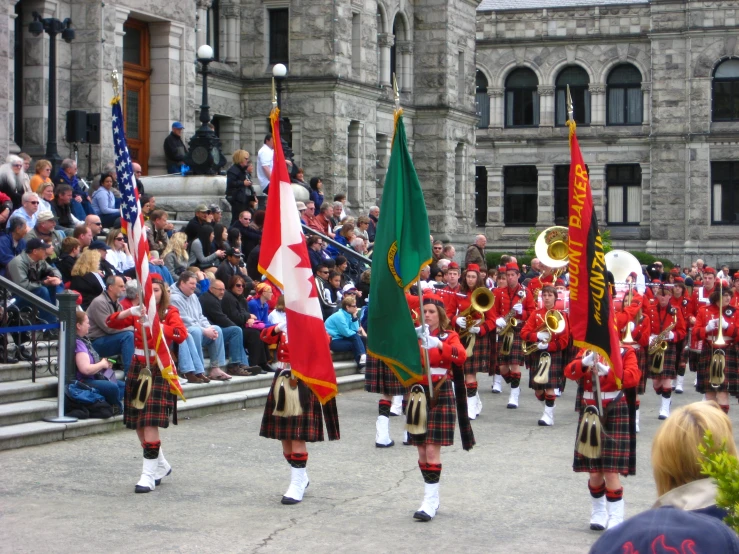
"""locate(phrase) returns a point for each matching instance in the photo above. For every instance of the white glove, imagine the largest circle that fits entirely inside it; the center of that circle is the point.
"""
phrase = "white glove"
(422, 330)
(712, 325)
(671, 336)
(588, 360)
(145, 322)
(652, 338)
(632, 326)
(724, 324)
(282, 326)
(475, 330)
(136, 311)
(542, 335)
(603, 369)
(543, 346)
(518, 308)
(431, 342)
(461, 322)
(500, 322)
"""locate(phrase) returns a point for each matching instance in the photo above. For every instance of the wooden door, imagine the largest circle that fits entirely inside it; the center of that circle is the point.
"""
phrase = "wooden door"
(136, 73)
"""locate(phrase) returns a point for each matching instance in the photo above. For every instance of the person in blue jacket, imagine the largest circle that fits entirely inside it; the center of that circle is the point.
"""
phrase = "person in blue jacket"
(345, 332)
(259, 305)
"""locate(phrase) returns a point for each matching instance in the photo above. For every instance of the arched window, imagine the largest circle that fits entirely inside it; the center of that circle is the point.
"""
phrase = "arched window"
(521, 99)
(482, 101)
(577, 78)
(624, 100)
(726, 91)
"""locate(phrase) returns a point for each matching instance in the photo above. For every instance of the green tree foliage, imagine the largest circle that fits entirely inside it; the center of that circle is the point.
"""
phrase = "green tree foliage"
(723, 468)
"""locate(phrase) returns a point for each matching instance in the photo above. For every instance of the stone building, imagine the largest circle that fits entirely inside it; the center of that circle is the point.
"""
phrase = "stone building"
(656, 91)
(337, 98)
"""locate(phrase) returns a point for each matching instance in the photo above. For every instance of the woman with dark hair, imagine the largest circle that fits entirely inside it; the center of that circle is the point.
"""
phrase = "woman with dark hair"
(236, 308)
(316, 192)
(103, 202)
(202, 254)
(220, 238)
(233, 237)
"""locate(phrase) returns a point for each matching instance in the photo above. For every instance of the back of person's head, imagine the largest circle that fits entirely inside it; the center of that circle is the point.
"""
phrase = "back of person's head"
(280, 304)
(258, 218)
(15, 224)
(675, 452)
(132, 289)
(88, 262)
(80, 230)
(267, 137)
(69, 244)
(156, 215)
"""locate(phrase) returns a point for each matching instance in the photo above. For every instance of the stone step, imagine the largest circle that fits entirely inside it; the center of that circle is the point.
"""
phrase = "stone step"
(41, 432)
(22, 370)
(25, 389)
(27, 411)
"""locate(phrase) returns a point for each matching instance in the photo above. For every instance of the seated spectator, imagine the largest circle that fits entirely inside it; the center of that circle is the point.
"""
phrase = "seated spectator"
(11, 180)
(156, 265)
(157, 231)
(337, 214)
(299, 179)
(175, 254)
(342, 268)
(189, 361)
(110, 342)
(6, 208)
(259, 305)
(95, 224)
(316, 192)
(252, 264)
(68, 176)
(204, 334)
(230, 266)
(104, 204)
(322, 221)
(438, 278)
(105, 266)
(374, 215)
(211, 303)
(362, 227)
(45, 196)
(346, 234)
(234, 238)
(236, 309)
(310, 215)
(29, 209)
(41, 176)
(204, 279)
(12, 244)
(345, 332)
(87, 278)
(148, 205)
(201, 253)
(340, 198)
(30, 271)
(216, 213)
(315, 247)
(301, 210)
(220, 238)
(45, 230)
(250, 228)
(61, 207)
(278, 315)
(363, 287)
(83, 233)
(118, 254)
(333, 290)
(70, 252)
(95, 371)
(202, 217)
(328, 305)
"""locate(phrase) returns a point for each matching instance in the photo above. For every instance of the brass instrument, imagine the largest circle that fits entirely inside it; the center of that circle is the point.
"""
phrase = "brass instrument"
(554, 323)
(627, 338)
(507, 330)
(718, 359)
(658, 346)
(481, 300)
(552, 249)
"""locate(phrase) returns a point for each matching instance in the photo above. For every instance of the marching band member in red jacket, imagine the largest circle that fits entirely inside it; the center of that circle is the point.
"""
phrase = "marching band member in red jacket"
(681, 301)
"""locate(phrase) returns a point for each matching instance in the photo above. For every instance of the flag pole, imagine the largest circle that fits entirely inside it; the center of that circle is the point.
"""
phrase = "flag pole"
(570, 107)
(421, 318)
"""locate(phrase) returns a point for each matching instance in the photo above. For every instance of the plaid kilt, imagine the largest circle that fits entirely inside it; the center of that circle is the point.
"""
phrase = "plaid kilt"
(578, 396)
(516, 356)
(379, 378)
(441, 420)
(556, 371)
(479, 362)
(493, 362)
(159, 406)
(615, 447)
(307, 427)
(644, 361)
(681, 354)
(693, 358)
(669, 368)
(731, 372)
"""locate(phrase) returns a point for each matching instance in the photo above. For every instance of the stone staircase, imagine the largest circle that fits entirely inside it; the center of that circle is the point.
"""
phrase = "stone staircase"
(24, 404)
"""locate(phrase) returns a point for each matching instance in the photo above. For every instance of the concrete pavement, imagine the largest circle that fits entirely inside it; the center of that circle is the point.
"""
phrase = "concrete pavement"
(514, 492)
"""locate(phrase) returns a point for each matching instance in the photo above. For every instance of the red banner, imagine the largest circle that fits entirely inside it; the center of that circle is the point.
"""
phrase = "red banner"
(592, 320)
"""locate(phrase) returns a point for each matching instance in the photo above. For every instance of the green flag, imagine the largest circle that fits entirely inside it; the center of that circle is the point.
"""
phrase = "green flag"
(402, 248)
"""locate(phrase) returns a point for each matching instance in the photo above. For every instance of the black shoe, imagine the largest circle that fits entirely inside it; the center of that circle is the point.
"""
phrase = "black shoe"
(266, 368)
(391, 443)
(421, 516)
(287, 500)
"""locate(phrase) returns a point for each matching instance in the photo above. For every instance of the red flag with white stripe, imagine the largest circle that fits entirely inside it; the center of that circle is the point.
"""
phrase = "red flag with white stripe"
(284, 260)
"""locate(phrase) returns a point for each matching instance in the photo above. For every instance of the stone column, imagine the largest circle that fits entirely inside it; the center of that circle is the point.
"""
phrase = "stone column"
(496, 108)
(230, 128)
(646, 92)
(405, 52)
(546, 105)
(545, 212)
(385, 41)
(355, 165)
(231, 15)
(495, 195)
(7, 67)
(202, 7)
(597, 174)
(597, 104)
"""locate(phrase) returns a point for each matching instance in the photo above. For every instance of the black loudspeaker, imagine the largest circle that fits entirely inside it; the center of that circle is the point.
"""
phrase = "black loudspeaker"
(93, 128)
(76, 126)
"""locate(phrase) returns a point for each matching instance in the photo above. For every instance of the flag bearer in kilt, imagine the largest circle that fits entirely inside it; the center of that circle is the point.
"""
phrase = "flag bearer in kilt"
(512, 302)
(668, 327)
(706, 329)
(446, 356)
(159, 406)
(295, 431)
(618, 447)
(555, 346)
(681, 301)
(380, 379)
(482, 329)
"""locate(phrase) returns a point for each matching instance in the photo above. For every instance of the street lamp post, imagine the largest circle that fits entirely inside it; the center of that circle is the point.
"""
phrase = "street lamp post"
(204, 156)
(53, 27)
(279, 72)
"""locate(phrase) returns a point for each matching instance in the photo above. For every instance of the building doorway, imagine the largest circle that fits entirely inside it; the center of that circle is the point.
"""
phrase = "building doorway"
(136, 75)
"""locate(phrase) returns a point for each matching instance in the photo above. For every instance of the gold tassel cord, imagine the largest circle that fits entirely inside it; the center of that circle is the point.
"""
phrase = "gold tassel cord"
(417, 411)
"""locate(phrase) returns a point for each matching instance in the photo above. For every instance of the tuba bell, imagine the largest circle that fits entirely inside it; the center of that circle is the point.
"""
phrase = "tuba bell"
(551, 247)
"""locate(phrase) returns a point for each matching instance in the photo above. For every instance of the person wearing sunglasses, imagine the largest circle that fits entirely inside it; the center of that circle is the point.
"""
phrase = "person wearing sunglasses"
(28, 210)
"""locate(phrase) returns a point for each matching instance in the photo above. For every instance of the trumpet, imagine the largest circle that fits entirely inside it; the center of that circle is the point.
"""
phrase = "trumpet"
(554, 323)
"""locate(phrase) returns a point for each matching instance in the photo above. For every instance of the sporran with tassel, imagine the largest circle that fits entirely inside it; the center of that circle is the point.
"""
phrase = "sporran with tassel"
(287, 395)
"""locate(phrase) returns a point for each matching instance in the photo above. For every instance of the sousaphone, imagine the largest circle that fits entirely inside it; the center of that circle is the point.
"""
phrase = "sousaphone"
(551, 247)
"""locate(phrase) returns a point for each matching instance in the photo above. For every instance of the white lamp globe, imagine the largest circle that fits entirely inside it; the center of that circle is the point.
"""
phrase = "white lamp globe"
(205, 52)
(279, 70)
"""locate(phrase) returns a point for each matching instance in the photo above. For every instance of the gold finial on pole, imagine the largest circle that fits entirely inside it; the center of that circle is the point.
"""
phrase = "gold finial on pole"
(274, 94)
(396, 93)
(114, 80)
(570, 108)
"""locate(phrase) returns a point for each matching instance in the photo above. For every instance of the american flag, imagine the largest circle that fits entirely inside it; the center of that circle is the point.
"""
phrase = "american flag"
(132, 224)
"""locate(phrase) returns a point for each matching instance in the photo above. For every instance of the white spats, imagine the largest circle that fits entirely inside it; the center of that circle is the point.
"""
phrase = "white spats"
(615, 513)
(664, 410)
(163, 468)
(472, 407)
(382, 436)
(598, 513)
(147, 482)
(430, 503)
(396, 408)
(513, 398)
(679, 384)
(298, 483)
(637, 420)
(547, 419)
(497, 384)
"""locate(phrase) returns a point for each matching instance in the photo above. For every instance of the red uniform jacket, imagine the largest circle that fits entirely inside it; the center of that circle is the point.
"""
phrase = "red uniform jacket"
(172, 327)
(661, 318)
(699, 299)
(682, 304)
(487, 325)
(632, 374)
(452, 353)
(450, 297)
(506, 297)
(706, 314)
(534, 324)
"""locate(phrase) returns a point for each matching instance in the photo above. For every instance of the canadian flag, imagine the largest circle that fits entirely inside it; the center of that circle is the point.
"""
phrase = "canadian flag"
(284, 260)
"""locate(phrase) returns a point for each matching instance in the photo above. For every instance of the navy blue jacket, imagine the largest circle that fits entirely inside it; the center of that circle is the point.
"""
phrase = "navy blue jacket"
(8, 251)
